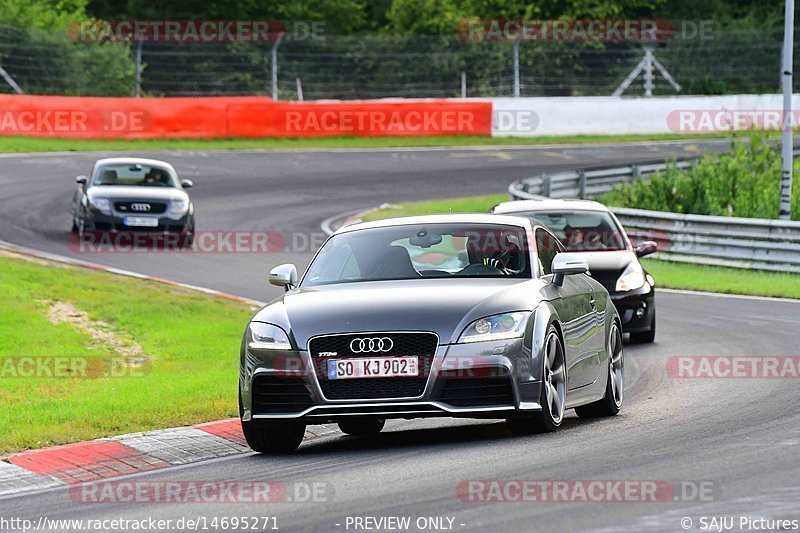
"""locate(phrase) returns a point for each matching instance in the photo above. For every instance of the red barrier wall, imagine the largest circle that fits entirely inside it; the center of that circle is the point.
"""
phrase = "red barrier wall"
(140, 118)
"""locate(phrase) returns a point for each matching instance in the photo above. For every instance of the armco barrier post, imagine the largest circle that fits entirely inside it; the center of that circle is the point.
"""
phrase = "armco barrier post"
(581, 184)
(546, 183)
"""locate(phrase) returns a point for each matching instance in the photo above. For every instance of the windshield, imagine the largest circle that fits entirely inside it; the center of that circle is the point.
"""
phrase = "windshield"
(417, 251)
(134, 175)
(582, 231)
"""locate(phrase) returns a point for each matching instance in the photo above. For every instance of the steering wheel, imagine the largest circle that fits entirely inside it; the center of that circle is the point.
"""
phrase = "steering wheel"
(478, 270)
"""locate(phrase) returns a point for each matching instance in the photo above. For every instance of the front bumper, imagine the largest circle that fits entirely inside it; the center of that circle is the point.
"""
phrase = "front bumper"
(477, 380)
(115, 222)
(636, 308)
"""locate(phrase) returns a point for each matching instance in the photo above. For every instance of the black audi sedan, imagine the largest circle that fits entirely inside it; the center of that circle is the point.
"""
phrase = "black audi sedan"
(133, 195)
(592, 229)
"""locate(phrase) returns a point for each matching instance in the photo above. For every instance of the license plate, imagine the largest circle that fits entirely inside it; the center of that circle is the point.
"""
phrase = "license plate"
(373, 367)
(146, 222)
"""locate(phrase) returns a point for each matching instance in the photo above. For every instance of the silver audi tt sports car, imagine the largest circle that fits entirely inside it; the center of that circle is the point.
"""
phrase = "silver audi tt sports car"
(478, 316)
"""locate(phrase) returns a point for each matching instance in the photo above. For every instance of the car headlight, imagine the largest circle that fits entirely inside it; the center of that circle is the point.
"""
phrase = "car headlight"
(497, 327)
(632, 278)
(179, 207)
(268, 337)
(101, 204)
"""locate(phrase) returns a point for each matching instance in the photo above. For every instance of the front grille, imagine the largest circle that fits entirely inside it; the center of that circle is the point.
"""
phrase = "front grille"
(273, 394)
(475, 392)
(156, 208)
(607, 278)
(423, 345)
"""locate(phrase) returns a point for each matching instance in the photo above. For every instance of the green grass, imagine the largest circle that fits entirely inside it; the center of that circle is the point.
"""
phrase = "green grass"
(193, 340)
(667, 274)
(37, 144)
(725, 280)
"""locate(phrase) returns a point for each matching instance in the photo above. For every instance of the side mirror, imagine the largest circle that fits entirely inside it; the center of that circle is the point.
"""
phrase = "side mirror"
(646, 248)
(284, 276)
(187, 184)
(565, 264)
(81, 180)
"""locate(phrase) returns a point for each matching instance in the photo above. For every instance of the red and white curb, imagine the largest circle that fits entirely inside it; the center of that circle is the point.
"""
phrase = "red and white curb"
(123, 455)
(126, 454)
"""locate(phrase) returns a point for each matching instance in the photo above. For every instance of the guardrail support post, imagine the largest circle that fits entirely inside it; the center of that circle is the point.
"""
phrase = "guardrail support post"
(581, 184)
(546, 185)
(635, 173)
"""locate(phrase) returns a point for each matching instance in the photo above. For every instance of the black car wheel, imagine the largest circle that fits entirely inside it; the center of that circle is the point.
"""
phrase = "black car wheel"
(362, 427)
(646, 337)
(553, 394)
(612, 401)
(273, 438)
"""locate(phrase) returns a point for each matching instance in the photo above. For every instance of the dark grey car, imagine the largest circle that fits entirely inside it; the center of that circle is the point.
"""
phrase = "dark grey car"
(133, 195)
(478, 316)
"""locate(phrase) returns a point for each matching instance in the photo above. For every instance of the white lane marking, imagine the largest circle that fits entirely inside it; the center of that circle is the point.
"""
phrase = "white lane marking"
(490, 147)
(24, 250)
(725, 295)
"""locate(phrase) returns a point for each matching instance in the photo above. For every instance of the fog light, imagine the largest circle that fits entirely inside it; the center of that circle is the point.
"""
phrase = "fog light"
(640, 312)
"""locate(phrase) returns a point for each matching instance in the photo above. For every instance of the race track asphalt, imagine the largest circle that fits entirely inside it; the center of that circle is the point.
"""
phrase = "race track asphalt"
(740, 436)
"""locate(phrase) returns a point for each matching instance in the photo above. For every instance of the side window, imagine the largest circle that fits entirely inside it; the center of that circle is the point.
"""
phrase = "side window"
(546, 249)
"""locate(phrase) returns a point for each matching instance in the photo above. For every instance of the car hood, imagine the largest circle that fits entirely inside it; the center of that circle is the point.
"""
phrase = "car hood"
(610, 260)
(445, 307)
(118, 192)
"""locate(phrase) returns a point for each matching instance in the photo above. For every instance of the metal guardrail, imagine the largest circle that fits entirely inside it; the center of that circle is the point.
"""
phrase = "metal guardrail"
(751, 243)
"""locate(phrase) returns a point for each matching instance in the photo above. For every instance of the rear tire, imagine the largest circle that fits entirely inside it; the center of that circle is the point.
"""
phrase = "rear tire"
(553, 393)
(362, 427)
(273, 438)
(611, 403)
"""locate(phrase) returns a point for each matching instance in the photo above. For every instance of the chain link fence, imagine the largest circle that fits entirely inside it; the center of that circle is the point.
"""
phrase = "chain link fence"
(366, 67)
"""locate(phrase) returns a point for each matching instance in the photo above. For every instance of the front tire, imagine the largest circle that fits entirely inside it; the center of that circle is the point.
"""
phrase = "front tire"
(611, 403)
(646, 337)
(553, 395)
(273, 438)
(362, 427)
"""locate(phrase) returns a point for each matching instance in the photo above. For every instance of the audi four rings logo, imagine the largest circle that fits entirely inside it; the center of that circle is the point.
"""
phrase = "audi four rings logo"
(140, 207)
(375, 344)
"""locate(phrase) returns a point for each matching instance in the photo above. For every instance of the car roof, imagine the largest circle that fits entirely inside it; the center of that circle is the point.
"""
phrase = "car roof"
(549, 204)
(133, 161)
(456, 218)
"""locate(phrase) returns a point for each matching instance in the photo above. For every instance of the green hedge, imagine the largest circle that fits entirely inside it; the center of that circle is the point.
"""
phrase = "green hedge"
(744, 182)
